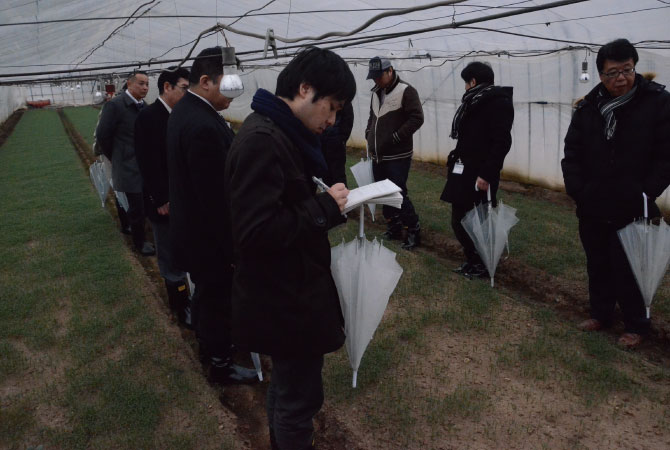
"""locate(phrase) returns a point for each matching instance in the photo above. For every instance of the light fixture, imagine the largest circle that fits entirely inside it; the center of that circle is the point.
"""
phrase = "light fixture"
(78, 86)
(98, 94)
(231, 84)
(584, 77)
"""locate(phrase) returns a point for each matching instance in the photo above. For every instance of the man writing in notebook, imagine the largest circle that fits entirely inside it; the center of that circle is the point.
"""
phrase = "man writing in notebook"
(285, 302)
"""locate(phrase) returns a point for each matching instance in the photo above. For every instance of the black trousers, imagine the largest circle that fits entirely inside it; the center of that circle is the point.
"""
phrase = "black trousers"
(397, 171)
(611, 279)
(134, 217)
(457, 214)
(211, 311)
(294, 397)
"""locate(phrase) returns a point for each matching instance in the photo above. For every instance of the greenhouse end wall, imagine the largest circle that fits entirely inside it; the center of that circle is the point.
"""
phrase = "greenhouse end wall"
(545, 90)
(11, 99)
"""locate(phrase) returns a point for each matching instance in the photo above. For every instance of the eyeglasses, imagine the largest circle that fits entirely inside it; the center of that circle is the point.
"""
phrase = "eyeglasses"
(613, 74)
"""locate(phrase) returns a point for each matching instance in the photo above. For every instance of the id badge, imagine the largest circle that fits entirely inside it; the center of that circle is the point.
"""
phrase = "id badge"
(458, 167)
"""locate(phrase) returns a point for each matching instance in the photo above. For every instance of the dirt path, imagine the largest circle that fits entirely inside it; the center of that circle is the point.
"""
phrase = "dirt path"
(546, 414)
(8, 125)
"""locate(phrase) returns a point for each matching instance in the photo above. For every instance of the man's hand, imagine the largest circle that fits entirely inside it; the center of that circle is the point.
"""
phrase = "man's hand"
(482, 184)
(164, 210)
(339, 192)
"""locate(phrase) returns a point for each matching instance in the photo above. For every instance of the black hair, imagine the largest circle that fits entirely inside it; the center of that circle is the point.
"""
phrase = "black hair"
(618, 50)
(480, 71)
(208, 62)
(325, 71)
(137, 72)
(171, 75)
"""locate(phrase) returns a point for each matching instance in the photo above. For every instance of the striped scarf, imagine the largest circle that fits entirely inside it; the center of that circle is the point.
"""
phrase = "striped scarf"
(470, 98)
(607, 108)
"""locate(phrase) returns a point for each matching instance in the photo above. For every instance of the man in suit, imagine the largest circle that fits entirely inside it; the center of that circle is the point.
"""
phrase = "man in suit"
(115, 137)
(198, 139)
(151, 154)
(334, 145)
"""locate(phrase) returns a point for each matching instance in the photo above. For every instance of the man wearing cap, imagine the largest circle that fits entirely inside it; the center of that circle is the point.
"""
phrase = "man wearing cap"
(395, 115)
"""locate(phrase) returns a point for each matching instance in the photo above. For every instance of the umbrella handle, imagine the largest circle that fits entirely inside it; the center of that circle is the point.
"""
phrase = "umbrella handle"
(646, 211)
(488, 194)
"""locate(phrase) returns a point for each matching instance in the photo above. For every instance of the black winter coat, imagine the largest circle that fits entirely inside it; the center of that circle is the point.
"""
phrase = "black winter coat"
(198, 140)
(151, 154)
(607, 178)
(334, 145)
(484, 139)
(284, 299)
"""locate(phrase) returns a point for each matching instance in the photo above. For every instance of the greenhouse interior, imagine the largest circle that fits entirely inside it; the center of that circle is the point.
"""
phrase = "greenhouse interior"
(534, 319)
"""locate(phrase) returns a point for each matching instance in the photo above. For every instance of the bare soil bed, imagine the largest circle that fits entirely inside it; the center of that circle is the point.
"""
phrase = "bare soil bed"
(480, 402)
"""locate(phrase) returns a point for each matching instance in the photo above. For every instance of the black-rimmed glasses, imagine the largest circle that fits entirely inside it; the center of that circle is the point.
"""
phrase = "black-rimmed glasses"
(612, 74)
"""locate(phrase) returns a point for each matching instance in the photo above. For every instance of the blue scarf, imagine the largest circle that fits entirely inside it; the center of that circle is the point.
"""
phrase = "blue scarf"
(279, 112)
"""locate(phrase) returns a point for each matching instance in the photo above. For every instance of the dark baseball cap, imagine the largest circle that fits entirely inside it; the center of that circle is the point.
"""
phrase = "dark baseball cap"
(377, 67)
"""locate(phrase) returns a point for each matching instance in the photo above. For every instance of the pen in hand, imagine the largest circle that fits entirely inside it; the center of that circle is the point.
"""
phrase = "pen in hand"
(319, 182)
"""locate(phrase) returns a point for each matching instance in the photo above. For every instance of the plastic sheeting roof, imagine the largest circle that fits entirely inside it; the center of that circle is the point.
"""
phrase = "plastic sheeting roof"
(65, 45)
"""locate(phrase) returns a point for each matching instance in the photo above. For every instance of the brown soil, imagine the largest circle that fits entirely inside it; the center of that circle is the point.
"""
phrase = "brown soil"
(520, 413)
(8, 125)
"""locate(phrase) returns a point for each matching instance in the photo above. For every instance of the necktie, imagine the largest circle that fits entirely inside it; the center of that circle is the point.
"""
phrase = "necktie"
(140, 105)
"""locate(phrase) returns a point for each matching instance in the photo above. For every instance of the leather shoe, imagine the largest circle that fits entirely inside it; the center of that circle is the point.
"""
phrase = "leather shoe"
(147, 249)
(476, 271)
(590, 325)
(229, 373)
(462, 268)
(630, 340)
(391, 235)
(126, 230)
(413, 238)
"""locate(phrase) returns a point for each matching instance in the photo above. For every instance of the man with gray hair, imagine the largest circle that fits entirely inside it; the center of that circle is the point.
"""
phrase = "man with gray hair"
(114, 137)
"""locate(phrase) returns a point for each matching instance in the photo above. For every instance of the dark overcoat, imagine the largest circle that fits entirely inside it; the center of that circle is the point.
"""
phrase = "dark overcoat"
(198, 140)
(114, 137)
(607, 178)
(334, 145)
(151, 154)
(484, 139)
(284, 299)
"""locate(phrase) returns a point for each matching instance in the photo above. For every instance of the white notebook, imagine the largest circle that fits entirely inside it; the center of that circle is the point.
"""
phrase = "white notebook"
(383, 192)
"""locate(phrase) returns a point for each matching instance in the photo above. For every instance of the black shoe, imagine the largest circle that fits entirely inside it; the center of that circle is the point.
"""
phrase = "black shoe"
(463, 268)
(392, 235)
(126, 230)
(477, 271)
(147, 249)
(180, 302)
(393, 229)
(413, 238)
(229, 373)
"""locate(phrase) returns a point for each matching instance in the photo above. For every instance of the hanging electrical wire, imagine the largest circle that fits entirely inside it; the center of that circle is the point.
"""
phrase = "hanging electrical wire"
(191, 16)
(120, 27)
(358, 41)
